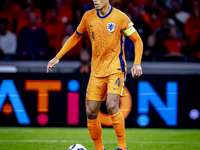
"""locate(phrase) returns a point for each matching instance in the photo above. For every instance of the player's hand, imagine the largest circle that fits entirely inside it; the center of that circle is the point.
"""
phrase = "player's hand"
(136, 71)
(52, 63)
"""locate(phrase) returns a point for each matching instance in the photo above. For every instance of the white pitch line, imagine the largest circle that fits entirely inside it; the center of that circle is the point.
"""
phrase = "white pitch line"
(76, 141)
(41, 141)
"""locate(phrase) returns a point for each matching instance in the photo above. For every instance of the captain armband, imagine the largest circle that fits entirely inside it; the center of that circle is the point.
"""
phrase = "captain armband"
(129, 31)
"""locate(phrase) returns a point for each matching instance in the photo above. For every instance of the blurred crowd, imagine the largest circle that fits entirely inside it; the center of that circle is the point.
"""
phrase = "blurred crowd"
(37, 29)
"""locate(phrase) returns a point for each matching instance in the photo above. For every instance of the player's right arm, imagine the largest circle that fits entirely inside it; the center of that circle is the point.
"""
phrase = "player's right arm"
(70, 43)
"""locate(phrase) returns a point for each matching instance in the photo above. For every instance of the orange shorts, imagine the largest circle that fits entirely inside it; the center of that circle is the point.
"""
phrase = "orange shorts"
(98, 87)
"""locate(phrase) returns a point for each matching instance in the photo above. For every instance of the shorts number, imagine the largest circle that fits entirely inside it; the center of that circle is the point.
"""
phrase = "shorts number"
(118, 82)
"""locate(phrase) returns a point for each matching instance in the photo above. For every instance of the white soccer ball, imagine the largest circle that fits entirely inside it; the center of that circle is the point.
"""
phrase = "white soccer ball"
(77, 147)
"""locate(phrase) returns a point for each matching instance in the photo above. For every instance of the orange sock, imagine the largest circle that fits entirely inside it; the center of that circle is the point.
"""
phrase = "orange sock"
(118, 124)
(95, 130)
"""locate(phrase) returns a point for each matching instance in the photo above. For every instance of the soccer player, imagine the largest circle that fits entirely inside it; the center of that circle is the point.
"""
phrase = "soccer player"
(107, 28)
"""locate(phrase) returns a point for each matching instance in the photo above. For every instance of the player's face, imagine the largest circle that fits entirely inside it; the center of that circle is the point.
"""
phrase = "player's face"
(99, 4)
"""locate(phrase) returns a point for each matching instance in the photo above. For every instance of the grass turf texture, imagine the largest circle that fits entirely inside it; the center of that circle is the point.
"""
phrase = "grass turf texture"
(62, 138)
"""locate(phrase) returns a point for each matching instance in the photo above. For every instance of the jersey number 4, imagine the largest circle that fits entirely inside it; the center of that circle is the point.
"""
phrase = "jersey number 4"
(117, 82)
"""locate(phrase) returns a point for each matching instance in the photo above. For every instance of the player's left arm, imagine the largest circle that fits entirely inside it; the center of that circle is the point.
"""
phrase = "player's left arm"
(136, 69)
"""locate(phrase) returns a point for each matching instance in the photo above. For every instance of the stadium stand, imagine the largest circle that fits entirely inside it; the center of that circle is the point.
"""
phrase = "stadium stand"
(153, 19)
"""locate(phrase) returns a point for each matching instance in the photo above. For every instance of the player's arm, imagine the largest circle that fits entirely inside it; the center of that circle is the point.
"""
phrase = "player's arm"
(69, 44)
(136, 69)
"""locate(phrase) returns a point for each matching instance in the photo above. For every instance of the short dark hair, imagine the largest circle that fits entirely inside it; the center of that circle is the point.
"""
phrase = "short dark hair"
(4, 20)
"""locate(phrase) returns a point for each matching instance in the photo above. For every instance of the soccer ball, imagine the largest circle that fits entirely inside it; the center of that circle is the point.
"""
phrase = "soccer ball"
(77, 147)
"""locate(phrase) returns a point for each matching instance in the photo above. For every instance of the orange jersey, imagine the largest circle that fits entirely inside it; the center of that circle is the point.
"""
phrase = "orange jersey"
(107, 39)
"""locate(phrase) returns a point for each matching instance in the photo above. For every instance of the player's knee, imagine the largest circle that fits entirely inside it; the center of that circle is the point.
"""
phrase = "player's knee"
(112, 103)
(112, 109)
(91, 114)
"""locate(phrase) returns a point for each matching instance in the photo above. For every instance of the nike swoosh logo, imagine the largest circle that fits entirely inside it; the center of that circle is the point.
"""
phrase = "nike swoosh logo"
(92, 26)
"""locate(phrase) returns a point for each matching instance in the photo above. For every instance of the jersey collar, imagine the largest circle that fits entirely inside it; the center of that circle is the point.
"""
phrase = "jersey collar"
(105, 15)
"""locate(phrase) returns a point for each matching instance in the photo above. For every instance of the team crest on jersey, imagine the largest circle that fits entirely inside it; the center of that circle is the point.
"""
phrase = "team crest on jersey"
(111, 27)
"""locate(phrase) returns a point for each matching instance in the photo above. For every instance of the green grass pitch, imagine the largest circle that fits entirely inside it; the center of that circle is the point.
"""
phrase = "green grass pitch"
(62, 138)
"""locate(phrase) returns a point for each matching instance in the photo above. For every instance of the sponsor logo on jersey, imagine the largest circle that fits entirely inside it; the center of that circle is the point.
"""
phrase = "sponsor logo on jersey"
(111, 27)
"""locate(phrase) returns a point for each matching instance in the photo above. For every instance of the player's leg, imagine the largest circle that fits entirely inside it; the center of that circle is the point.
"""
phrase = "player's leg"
(112, 103)
(93, 123)
(95, 94)
(115, 91)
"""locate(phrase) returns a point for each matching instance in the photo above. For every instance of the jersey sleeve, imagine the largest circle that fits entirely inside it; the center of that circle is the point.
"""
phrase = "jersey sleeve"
(69, 44)
(135, 37)
(127, 25)
(82, 28)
